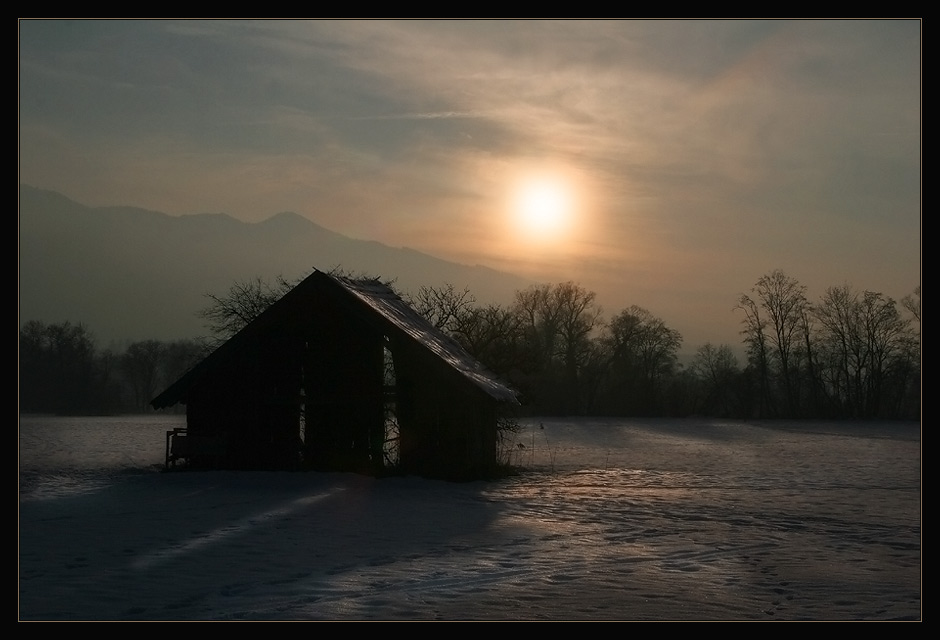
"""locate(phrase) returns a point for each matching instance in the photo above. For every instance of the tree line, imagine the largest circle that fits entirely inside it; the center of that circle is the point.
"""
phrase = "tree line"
(852, 354)
(62, 371)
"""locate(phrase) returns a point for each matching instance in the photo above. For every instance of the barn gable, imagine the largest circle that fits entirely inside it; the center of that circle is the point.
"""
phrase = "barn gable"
(327, 374)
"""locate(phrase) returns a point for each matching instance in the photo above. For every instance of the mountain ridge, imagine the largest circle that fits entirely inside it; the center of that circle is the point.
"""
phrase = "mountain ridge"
(130, 273)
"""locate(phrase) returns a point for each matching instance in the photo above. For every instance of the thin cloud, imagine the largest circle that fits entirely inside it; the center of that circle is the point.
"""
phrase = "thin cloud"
(438, 115)
(701, 142)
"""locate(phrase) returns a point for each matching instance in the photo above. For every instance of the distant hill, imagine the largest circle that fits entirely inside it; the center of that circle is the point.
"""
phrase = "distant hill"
(133, 274)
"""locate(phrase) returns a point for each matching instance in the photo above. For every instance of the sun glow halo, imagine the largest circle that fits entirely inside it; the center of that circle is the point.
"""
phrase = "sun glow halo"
(542, 208)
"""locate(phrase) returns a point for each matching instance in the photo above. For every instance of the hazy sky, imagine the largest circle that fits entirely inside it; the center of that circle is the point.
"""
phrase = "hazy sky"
(681, 160)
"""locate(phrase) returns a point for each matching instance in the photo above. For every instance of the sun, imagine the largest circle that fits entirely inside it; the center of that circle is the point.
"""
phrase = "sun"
(542, 208)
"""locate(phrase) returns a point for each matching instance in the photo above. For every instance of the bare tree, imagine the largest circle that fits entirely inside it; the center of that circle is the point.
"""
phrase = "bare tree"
(867, 347)
(774, 317)
(642, 355)
(245, 300)
(558, 320)
(716, 369)
(141, 364)
(58, 368)
(756, 340)
(911, 302)
(784, 300)
(540, 321)
(493, 335)
(445, 307)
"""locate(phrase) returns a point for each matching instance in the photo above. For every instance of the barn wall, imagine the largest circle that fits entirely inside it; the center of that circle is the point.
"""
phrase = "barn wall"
(446, 429)
(343, 385)
(254, 409)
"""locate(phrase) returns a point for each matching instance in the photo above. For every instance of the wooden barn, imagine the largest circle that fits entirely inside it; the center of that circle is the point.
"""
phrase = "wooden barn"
(339, 375)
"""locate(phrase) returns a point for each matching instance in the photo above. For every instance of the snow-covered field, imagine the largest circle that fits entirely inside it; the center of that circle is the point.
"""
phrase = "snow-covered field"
(614, 520)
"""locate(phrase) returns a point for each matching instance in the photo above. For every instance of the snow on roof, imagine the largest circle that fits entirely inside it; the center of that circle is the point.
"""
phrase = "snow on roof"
(392, 308)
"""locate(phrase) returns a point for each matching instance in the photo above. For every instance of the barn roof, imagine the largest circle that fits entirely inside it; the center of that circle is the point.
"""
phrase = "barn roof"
(369, 299)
